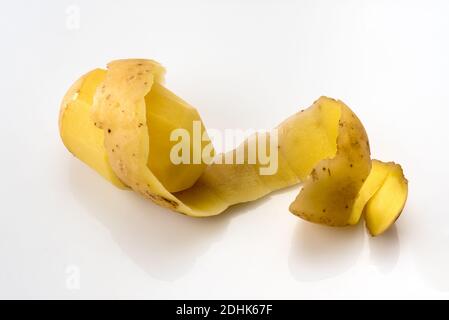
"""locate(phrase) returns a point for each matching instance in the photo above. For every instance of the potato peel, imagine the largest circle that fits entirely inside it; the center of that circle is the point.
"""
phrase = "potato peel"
(112, 117)
(329, 193)
(388, 201)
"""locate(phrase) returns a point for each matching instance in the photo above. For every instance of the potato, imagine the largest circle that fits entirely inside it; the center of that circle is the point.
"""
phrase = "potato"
(78, 132)
(119, 121)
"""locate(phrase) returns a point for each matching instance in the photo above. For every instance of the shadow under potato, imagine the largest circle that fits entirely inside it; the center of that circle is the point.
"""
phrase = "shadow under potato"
(319, 252)
(384, 250)
(163, 243)
(166, 244)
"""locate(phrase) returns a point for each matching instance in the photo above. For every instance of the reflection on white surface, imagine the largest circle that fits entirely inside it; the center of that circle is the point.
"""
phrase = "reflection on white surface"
(320, 252)
(163, 243)
(384, 250)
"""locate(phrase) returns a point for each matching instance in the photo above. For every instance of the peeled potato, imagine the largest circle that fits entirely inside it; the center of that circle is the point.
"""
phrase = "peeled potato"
(78, 131)
(119, 122)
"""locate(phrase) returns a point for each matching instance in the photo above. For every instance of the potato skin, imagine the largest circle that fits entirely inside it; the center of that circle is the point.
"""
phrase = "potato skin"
(329, 193)
(119, 110)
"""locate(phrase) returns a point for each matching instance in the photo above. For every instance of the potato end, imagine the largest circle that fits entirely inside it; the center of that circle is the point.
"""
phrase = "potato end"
(388, 203)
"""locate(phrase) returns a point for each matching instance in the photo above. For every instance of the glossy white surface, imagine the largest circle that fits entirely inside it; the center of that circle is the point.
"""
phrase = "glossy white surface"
(243, 66)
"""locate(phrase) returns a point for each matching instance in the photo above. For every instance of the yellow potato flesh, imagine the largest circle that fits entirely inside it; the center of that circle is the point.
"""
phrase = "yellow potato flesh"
(383, 209)
(78, 131)
(374, 181)
(123, 132)
(166, 112)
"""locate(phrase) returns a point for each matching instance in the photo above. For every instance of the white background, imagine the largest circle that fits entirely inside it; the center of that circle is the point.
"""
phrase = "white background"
(243, 65)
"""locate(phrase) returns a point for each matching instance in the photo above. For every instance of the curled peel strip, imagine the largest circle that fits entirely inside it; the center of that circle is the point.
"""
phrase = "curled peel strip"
(119, 120)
